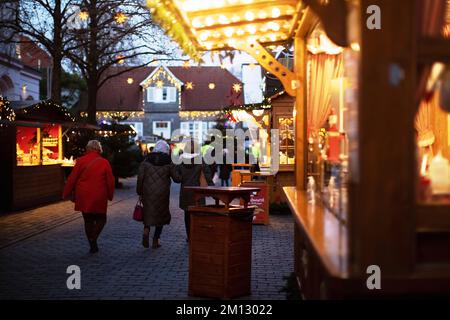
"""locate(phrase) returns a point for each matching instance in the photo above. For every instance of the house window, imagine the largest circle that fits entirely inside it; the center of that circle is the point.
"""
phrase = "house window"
(194, 129)
(162, 124)
(162, 95)
(162, 128)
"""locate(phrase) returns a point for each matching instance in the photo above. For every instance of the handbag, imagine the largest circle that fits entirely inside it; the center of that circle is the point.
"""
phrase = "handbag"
(137, 213)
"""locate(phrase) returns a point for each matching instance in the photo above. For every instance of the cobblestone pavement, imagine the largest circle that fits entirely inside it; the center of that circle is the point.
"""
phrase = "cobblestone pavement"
(37, 246)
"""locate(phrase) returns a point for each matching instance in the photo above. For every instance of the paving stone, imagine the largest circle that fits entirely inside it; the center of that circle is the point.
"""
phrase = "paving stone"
(37, 246)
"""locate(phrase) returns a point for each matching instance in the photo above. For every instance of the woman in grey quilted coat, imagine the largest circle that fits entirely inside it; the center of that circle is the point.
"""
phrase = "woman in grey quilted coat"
(153, 186)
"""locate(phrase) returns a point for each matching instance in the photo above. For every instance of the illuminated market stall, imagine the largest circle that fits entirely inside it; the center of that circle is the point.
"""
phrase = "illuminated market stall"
(371, 194)
(32, 154)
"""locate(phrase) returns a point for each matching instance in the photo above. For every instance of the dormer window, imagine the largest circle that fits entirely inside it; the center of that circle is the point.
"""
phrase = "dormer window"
(161, 95)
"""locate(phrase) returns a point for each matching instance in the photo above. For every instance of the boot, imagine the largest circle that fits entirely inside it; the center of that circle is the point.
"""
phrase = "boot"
(145, 238)
(93, 245)
(156, 243)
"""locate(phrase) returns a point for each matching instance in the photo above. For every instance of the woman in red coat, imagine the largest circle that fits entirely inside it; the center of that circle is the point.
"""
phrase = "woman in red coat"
(92, 183)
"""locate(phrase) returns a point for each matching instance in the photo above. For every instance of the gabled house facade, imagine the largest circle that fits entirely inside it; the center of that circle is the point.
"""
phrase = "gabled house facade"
(158, 100)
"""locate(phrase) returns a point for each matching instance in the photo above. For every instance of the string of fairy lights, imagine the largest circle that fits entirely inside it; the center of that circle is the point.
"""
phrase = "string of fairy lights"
(115, 115)
(6, 112)
(48, 105)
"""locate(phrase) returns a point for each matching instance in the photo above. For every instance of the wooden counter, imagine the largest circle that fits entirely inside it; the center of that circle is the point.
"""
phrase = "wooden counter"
(324, 232)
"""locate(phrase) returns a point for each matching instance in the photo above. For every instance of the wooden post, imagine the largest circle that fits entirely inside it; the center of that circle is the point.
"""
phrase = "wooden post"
(300, 112)
(383, 219)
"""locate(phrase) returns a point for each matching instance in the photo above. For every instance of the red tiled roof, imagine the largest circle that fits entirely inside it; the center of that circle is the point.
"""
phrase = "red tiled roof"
(117, 95)
(31, 54)
(203, 98)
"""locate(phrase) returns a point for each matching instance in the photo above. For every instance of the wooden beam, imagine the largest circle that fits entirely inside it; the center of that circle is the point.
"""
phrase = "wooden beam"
(301, 157)
(268, 62)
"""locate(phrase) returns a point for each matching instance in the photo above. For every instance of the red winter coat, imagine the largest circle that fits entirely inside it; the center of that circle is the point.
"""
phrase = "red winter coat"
(93, 183)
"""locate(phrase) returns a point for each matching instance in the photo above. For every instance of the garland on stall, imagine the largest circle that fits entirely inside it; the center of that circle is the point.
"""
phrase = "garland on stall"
(264, 105)
(164, 15)
(47, 105)
(6, 112)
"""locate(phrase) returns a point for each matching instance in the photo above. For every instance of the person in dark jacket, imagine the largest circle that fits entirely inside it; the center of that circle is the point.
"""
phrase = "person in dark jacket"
(225, 170)
(189, 173)
(153, 186)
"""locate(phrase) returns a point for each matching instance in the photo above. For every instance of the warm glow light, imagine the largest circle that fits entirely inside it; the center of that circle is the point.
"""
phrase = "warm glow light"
(258, 113)
(120, 17)
(159, 84)
(211, 86)
(251, 29)
(250, 16)
(209, 21)
(223, 19)
(355, 46)
(196, 23)
(204, 36)
(262, 15)
(276, 12)
(130, 80)
(121, 59)
(187, 64)
(189, 86)
(229, 32)
(240, 32)
(273, 26)
(235, 18)
(83, 15)
(237, 87)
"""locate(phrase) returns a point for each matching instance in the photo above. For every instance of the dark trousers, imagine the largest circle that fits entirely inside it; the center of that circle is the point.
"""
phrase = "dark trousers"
(93, 224)
(187, 222)
(225, 182)
(158, 231)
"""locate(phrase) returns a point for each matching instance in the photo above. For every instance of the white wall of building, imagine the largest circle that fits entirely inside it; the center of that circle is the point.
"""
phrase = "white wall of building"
(18, 83)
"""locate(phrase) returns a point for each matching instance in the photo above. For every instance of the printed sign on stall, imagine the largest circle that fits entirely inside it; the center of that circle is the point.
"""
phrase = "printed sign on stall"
(261, 201)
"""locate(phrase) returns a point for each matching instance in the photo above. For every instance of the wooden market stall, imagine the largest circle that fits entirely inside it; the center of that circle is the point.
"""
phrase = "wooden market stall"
(32, 156)
(357, 93)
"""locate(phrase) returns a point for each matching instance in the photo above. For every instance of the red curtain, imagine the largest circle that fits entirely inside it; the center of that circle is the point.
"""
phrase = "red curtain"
(322, 69)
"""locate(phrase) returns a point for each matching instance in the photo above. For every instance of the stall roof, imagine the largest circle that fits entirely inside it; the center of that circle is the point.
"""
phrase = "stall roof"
(45, 111)
(214, 25)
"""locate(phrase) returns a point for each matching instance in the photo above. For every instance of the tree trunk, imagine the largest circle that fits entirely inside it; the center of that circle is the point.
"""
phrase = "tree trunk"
(56, 79)
(57, 53)
(92, 100)
(92, 72)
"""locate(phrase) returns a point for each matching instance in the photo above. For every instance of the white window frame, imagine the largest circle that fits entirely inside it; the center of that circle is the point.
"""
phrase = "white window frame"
(157, 94)
(164, 132)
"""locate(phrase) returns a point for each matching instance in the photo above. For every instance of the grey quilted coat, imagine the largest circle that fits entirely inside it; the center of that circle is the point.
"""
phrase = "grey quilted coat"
(189, 175)
(153, 185)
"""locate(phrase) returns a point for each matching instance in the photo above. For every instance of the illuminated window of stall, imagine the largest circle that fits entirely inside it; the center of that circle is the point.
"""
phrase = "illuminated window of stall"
(287, 142)
(51, 144)
(27, 146)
